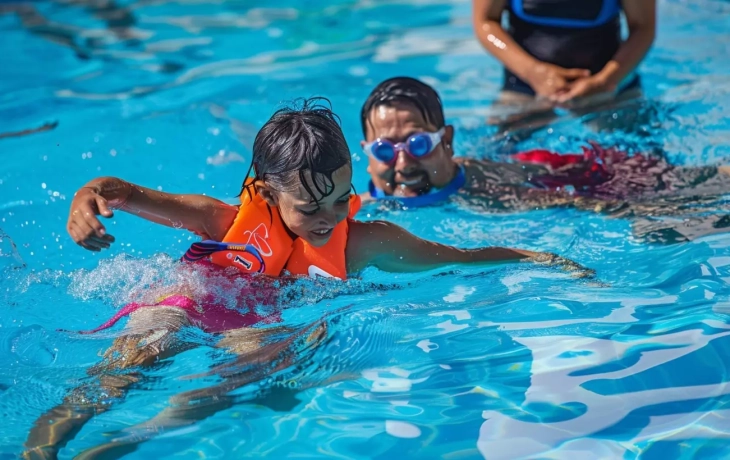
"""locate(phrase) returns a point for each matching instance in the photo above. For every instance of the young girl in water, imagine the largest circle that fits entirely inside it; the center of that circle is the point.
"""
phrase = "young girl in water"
(296, 213)
(296, 216)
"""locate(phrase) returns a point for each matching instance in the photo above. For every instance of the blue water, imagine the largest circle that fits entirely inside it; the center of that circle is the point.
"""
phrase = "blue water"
(506, 362)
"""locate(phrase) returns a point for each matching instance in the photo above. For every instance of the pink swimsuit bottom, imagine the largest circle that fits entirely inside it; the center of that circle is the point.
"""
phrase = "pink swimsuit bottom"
(208, 314)
(209, 317)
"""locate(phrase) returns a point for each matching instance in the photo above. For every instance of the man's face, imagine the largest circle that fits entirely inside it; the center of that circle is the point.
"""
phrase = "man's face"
(408, 176)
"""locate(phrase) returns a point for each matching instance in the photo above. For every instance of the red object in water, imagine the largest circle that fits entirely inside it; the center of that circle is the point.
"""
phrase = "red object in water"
(572, 169)
(546, 157)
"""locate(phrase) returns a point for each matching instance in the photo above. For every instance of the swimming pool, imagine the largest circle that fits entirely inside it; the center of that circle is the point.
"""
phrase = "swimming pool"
(501, 362)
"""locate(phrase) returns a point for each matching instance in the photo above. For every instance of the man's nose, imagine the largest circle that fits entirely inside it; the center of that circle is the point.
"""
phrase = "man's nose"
(404, 162)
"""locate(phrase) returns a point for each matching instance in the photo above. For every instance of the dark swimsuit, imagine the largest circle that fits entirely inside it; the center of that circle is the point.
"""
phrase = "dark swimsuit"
(574, 34)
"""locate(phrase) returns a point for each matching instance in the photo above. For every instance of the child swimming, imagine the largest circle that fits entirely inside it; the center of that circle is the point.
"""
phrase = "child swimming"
(297, 211)
(296, 216)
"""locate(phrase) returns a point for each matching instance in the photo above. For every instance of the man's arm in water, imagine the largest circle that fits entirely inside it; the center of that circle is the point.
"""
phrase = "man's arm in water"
(391, 248)
(479, 171)
(200, 214)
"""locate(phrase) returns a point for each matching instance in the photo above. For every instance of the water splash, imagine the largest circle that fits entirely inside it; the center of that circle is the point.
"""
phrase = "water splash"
(31, 346)
(9, 256)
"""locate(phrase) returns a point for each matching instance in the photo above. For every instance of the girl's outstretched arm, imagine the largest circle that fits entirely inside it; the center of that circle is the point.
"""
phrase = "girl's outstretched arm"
(202, 215)
(391, 248)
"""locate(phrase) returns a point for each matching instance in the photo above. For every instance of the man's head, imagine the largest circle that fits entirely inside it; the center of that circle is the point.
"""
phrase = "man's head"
(397, 110)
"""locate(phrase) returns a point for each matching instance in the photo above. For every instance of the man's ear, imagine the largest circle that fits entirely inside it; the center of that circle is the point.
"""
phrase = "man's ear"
(448, 140)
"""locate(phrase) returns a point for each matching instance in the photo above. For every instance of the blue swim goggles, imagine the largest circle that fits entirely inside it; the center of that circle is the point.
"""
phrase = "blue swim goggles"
(417, 146)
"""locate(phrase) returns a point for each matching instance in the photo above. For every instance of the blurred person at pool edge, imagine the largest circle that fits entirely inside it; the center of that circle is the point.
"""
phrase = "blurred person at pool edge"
(566, 52)
(411, 160)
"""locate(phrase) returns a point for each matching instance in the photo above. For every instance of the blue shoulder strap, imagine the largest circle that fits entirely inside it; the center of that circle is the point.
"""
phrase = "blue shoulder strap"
(609, 10)
(423, 200)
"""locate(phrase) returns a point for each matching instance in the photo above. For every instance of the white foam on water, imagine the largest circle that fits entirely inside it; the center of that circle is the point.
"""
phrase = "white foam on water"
(402, 429)
(382, 384)
(554, 381)
(427, 346)
(459, 293)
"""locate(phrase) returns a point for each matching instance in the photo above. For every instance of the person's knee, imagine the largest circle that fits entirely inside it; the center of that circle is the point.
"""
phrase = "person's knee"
(148, 337)
(147, 319)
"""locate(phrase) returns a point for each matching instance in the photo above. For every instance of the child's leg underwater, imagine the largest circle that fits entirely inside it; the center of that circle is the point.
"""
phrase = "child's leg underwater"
(261, 354)
(150, 336)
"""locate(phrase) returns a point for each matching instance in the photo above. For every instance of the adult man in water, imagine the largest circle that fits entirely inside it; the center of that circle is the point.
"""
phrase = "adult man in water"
(411, 160)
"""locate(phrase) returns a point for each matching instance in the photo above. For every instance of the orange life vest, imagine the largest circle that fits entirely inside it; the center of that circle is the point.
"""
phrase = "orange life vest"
(261, 227)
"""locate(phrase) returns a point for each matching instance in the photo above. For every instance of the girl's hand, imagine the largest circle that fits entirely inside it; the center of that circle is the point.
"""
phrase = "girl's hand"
(83, 225)
(548, 258)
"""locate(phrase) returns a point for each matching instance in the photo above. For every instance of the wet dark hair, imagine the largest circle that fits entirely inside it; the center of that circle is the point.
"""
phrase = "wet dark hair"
(405, 90)
(302, 139)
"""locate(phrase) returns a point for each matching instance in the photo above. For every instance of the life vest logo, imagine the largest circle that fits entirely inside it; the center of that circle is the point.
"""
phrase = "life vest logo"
(314, 271)
(258, 238)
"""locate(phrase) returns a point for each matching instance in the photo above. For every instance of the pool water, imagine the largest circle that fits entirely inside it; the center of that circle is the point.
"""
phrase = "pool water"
(504, 362)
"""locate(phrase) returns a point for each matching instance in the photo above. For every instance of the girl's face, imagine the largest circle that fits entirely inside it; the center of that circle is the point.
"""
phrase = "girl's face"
(309, 219)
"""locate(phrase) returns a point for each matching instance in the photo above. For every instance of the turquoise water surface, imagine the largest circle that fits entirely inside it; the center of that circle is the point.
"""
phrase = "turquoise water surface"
(505, 362)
